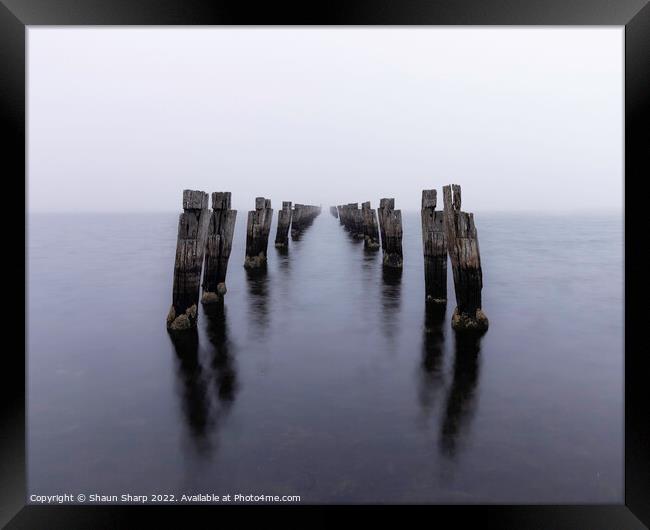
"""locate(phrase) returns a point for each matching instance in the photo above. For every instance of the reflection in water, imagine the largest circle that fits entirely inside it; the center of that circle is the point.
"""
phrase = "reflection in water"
(296, 235)
(283, 287)
(391, 301)
(223, 363)
(258, 294)
(369, 278)
(369, 266)
(460, 405)
(193, 388)
(355, 239)
(284, 263)
(431, 373)
(202, 411)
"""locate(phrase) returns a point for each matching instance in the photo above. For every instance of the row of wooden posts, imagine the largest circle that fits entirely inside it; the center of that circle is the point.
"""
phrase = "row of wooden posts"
(444, 232)
(205, 241)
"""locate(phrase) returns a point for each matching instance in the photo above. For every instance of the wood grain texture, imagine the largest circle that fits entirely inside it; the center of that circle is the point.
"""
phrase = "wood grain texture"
(258, 227)
(303, 217)
(464, 253)
(190, 247)
(434, 244)
(218, 247)
(284, 222)
(390, 228)
(352, 219)
(370, 227)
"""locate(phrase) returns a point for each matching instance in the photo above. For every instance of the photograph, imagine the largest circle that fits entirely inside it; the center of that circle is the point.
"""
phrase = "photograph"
(310, 263)
(325, 265)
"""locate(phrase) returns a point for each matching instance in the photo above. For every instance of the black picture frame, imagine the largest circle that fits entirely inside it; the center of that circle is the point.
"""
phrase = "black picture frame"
(16, 15)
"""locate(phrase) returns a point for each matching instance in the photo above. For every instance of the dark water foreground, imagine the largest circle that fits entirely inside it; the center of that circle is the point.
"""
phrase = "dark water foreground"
(326, 378)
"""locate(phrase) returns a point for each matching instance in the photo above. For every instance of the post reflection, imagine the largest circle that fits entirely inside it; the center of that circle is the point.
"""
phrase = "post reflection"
(355, 239)
(297, 234)
(461, 401)
(283, 260)
(193, 388)
(223, 362)
(258, 293)
(391, 301)
(431, 369)
(207, 389)
(369, 301)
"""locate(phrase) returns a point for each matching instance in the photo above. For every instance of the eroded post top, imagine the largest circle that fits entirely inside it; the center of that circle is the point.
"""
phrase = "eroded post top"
(429, 199)
(194, 200)
(451, 197)
(221, 200)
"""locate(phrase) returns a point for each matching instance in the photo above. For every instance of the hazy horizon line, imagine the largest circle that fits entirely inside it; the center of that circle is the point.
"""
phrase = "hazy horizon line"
(612, 210)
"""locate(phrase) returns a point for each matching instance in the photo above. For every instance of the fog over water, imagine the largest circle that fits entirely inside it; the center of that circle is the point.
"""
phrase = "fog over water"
(122, 119)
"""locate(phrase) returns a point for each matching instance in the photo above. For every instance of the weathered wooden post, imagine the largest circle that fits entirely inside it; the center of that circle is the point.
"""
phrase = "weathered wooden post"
(349, 216)
(218, 247)
(390, 226)
(338, 209)
(343, 213)
(357, 223)
(303, 217)
(370, 228)
(353, 220)
(462, 245)
(297, 219)
(190, 246)
(257, 233)
(345, 216)
(284, 222)
(434, 242)
(383, 205)
(334, 211)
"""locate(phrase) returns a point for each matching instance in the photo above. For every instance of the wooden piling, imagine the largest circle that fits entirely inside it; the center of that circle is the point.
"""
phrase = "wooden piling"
(219, 244)
(334, 211)
(303, 217)
(352, 219)
(190, 247)
(342, 215)
(284, 222)
(298, 212)
(463, 248)
(346, 215)
(370, 227)
(434, 243)
(357, 223)
(257, 233)
(390, 227)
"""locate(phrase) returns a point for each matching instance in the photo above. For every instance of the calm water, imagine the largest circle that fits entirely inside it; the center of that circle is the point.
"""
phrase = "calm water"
(326, 379)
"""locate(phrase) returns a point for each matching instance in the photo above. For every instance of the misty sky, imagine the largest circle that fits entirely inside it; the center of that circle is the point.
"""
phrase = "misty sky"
(524, 119)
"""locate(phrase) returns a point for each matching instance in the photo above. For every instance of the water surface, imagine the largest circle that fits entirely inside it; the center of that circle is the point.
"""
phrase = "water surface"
(327, 378)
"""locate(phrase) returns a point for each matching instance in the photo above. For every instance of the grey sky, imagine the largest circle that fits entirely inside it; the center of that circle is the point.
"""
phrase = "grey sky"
(523, 118)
